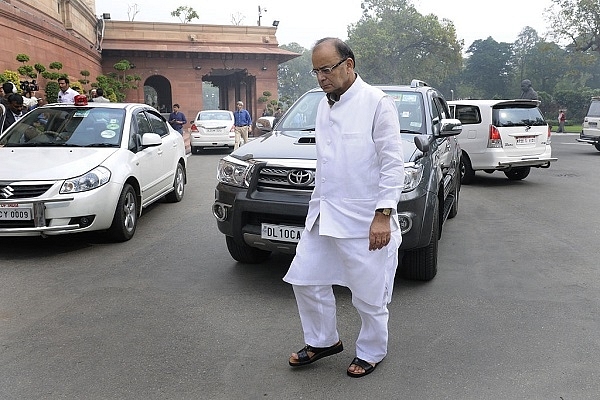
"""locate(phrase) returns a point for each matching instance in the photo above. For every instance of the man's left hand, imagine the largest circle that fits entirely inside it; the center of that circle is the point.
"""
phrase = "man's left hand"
(379, 232)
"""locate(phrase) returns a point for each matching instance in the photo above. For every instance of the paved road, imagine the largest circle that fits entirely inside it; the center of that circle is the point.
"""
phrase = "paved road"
(512, 314)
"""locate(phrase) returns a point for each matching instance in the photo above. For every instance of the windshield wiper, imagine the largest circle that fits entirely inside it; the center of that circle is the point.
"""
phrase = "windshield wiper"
(410, 131)
(101, 145)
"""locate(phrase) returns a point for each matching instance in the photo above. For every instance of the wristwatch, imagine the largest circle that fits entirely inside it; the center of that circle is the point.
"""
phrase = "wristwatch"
(385, 211)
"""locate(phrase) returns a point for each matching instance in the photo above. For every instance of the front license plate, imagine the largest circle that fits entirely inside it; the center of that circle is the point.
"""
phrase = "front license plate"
(526, 140)
(15, 212)
(282, 233)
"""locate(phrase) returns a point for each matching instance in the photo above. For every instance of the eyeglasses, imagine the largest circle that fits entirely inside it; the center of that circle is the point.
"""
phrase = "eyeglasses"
(326, 70)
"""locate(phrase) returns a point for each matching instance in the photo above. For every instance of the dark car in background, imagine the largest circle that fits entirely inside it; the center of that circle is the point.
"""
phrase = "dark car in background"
(263, 189)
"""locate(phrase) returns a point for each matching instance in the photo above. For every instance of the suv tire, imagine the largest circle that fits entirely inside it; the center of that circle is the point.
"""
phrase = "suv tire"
(244, 253)
(421, 264)
(467, 174)
(597, 146)
(517, 174)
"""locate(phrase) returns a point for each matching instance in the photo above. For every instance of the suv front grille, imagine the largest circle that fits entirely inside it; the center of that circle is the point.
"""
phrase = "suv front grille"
(9, 191)
(288, 179)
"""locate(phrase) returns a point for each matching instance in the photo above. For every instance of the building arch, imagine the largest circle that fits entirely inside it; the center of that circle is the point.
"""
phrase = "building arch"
(158, 93)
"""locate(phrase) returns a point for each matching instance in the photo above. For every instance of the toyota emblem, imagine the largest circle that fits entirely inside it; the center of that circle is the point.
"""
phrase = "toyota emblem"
(300, 177)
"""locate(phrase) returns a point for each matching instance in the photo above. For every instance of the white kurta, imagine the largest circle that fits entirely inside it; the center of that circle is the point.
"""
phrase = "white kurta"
(360, 168)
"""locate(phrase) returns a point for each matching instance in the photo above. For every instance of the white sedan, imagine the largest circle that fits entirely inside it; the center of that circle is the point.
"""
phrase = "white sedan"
(212, 128)
(82, 167)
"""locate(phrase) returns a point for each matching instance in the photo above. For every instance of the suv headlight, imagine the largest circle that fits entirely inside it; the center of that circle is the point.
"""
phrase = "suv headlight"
(88, 181)
(412, 176)
(234, 172)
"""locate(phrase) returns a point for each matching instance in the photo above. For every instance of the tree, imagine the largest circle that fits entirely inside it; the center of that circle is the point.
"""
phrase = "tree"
(294, 76)
(578, 21)
(85, 78)
(522, 47)
(488, 70)
(185, 14)
(394, 43)
(132, 11)
(237, 18)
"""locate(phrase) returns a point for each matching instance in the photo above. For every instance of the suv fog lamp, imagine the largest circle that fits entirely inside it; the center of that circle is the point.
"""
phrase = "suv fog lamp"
(405, 221)
(220, 211)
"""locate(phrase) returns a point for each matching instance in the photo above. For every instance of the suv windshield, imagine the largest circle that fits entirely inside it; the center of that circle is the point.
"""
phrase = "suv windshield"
(63, 126)
(517, 116)
(302, 116)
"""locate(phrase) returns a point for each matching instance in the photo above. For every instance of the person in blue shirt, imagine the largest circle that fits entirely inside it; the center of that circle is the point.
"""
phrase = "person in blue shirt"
(177, 119)
(242, 121)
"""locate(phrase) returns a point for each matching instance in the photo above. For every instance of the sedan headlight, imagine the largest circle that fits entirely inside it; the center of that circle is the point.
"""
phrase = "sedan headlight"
(88, 181)
(234, 172)
(412, 176)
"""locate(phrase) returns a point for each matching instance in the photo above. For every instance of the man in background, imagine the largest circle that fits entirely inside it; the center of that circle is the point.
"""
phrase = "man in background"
(14, 111)
(100, 97)
(242, 121)
(177, 119)
(66, 93)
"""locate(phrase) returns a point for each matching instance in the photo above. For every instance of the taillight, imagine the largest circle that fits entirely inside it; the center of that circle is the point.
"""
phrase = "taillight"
(232, 129)
(549, 135)
(194, 128)
(495, 141)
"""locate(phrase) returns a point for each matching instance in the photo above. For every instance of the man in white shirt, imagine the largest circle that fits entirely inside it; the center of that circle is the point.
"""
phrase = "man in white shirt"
(66, 94)
(100, 97)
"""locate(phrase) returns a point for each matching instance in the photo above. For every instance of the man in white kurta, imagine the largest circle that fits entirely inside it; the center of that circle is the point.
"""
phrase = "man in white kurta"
(346, 242)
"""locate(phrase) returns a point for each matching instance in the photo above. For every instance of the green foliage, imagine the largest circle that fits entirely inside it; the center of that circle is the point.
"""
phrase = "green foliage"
(488, 70)
(12, 76)
(394, 43)
(56, 65)
(577, 21)
(23, 58)
(27, 71)
(77, 86)
(185, 14)
(293, 76)
(52, 90)
(575, 101)
(51, 76)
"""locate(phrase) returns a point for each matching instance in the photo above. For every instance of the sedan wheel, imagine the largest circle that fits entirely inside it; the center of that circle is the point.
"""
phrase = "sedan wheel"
(178, 186)
(126, 216)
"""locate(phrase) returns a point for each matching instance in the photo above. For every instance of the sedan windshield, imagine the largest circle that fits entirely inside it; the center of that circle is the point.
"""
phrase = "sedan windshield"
(74, 126)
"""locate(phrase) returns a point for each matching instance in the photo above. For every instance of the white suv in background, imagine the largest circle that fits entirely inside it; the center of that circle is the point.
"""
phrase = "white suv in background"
(502, 135)
(590, 132)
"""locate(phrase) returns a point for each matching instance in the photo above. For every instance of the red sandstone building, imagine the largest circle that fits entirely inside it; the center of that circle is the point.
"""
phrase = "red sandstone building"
(173, 60)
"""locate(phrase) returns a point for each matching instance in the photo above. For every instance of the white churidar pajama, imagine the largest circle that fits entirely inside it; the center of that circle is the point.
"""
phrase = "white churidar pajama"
(359, 169)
